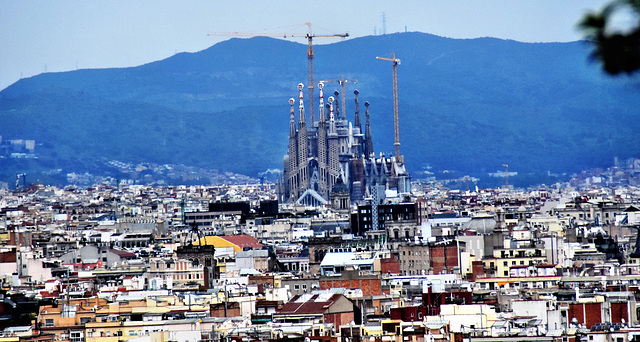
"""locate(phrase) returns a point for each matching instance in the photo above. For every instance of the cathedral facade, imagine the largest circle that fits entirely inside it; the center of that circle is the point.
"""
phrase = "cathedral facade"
(334, 150)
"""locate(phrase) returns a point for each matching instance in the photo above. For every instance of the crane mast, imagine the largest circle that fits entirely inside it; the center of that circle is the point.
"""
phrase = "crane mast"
(310, 35)
(310, 86)
(343, 100)
(396, 128)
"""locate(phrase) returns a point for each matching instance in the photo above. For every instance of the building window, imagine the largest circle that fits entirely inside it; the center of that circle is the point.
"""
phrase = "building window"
(76, 336)
(48, 322)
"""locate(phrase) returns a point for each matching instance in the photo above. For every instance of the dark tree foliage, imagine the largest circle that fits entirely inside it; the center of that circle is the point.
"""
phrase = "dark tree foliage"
(618, 51)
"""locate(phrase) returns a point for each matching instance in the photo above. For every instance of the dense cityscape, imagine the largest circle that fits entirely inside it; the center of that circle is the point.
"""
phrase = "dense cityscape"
(342, 244)
(122, 261)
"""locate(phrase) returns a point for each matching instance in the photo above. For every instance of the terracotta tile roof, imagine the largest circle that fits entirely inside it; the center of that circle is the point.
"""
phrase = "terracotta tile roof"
(123, 254)
(243, 241)
(314, 305)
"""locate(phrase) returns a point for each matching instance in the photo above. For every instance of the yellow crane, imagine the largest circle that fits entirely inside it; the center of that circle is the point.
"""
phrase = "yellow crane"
(310, 35)
(396, 128)
(342, 83)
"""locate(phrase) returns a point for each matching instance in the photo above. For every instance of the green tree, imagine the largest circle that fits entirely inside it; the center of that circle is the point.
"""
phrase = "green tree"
(617, 50)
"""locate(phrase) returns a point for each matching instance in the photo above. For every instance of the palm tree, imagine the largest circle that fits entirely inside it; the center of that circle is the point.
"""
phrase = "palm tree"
(618, 51)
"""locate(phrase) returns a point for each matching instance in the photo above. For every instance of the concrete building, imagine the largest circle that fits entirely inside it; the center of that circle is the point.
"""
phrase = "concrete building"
(317, 308)
(414, 259)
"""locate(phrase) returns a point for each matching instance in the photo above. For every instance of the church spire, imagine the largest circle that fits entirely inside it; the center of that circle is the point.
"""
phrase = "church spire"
(332, 119)
(303, 146)
(301, 119)
(337, 106)
(333, 153)
(320, 86)
(292, 121)
(357, 129)
(292, 171)
(322, 148)
(357, 118)
(368, 141)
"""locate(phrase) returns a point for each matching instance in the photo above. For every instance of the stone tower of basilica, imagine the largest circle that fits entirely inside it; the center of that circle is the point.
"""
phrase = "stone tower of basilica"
(333, 148)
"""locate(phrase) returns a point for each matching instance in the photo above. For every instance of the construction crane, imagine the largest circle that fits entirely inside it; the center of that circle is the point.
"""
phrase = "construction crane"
(342, 83)
(396, 128)
(310, 35)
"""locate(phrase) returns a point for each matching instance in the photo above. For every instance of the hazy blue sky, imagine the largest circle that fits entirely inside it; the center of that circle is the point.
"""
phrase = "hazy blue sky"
(64, 35)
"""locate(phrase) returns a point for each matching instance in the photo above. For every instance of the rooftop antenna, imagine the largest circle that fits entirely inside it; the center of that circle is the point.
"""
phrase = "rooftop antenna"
(384, 23)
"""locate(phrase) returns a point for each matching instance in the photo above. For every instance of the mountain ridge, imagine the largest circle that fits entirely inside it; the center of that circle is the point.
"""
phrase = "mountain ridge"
(465, 104)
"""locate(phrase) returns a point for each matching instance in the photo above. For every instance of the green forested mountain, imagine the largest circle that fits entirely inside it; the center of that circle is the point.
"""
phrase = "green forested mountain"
(469, 105)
